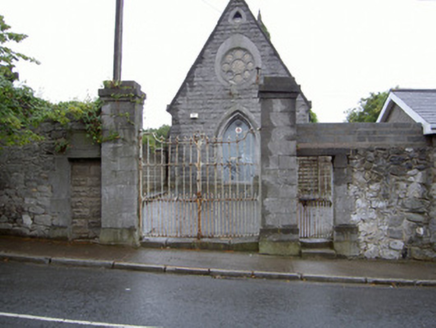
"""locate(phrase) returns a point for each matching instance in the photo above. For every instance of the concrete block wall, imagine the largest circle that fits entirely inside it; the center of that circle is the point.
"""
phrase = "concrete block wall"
(331, 138)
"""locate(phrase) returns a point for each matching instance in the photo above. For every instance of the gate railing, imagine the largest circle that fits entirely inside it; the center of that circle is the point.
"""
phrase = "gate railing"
(200, 187)
(315, 208)
(315, 218)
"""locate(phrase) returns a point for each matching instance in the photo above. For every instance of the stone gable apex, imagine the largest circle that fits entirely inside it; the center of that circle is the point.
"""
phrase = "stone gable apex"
(236, 13)
(227, 73)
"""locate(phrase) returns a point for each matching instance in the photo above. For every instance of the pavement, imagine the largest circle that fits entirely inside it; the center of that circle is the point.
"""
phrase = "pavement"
(222, 264)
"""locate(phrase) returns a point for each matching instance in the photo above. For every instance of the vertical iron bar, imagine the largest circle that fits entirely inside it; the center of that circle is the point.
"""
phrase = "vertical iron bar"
(190, 186)
(190, 166)
(207, 194)
(235, 219)
(170, 170)
(222, 207)
(199, 189)
(149, 205)
(184, 168)
(228, 219)
(141, 183)
(216, 203)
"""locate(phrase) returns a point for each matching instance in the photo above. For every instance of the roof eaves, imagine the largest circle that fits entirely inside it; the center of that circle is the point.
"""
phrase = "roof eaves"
(385, 110)
(394, 99)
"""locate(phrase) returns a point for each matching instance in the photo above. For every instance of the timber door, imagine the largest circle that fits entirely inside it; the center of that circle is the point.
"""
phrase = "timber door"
(202, 187)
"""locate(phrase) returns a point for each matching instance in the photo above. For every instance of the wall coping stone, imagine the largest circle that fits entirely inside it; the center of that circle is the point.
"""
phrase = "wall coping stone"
(279, 87)
(125, 91)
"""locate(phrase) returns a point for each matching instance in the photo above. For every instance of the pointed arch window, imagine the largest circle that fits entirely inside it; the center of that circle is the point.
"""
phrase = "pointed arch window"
(237, 16)
(239, 152)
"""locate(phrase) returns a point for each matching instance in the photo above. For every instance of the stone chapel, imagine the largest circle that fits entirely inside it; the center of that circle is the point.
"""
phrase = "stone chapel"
(222, 85)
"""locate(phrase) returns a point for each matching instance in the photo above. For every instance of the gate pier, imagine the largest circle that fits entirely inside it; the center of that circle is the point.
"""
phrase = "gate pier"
(121, 163)
(279, 234)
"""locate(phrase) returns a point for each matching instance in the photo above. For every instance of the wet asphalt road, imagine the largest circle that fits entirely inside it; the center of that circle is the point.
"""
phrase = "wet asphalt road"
(106, 297)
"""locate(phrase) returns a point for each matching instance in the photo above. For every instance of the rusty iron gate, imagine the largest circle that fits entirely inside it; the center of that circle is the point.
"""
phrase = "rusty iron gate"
(315, 207)
(201, 187)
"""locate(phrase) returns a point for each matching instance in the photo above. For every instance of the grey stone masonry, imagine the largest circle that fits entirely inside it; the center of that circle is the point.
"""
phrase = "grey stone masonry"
(120, 163)
(36, 187)
(345, 234)
(279, 172)
(224, 80)
(393, 194)
(26, 188)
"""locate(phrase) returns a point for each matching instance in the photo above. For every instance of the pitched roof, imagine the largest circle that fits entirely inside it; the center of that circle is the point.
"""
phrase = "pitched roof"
(222, 21)
(419, 104)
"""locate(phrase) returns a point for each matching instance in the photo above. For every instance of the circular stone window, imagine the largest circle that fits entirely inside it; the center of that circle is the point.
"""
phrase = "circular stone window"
(237, 66)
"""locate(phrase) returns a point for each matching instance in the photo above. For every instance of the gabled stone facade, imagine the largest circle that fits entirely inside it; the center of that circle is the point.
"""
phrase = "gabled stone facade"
(224, 80)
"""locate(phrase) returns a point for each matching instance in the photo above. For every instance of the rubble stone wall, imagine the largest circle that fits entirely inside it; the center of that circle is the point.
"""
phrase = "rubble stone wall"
(394, 196)
(35, 184)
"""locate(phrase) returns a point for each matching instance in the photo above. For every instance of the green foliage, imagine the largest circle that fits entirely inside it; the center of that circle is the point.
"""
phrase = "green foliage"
(62, 145)
(113, 135)
(8, 57)
(21, 112)
(313, 118)
(369, 108)
(154, 137)
(88, 112)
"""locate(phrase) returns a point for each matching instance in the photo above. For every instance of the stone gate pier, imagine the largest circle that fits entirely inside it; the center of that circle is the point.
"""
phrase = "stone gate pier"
(279, 170)
(121, 150)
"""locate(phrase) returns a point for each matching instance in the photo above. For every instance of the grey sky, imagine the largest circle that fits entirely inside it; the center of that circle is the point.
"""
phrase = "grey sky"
(338, 50)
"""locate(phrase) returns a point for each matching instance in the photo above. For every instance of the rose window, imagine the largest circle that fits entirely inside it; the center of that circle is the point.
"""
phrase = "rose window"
(238, 66)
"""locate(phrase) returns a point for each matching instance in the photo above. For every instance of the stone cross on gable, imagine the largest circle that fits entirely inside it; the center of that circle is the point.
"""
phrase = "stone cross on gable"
(118, 48)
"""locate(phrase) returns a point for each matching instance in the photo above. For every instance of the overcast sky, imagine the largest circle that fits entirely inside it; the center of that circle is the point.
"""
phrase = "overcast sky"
(338, 50)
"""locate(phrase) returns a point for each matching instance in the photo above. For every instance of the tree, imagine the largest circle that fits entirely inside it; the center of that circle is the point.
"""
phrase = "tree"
(17, 104)
(8, 57)
(369, 108)
(313, 118)
(21, 112)
(152, 137)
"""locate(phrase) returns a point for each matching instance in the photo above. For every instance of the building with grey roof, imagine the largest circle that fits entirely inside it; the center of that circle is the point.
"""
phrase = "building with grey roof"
(411, 106)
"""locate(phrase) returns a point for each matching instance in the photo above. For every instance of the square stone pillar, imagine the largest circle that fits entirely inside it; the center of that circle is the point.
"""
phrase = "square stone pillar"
(120, 163)
(279, 234)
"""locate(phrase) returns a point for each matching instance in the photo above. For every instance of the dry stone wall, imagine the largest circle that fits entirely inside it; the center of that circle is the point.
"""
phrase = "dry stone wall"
(394, 202)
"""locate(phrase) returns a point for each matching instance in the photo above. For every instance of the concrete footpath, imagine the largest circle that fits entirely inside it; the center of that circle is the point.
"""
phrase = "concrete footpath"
(218, 264)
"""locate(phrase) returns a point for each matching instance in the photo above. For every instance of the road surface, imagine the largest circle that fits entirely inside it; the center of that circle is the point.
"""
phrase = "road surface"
(42, 296)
